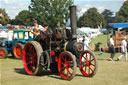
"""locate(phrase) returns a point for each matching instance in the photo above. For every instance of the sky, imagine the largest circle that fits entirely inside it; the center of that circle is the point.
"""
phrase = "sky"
(13, 7)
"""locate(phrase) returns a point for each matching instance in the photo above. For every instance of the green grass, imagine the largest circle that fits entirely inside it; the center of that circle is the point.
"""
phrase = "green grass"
(109, 73)
(102, 39)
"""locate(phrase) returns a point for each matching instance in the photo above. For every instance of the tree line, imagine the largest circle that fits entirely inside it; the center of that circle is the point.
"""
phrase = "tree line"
(53, 12)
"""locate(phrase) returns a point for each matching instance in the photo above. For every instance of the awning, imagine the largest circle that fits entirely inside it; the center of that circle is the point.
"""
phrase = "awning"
(118, 25)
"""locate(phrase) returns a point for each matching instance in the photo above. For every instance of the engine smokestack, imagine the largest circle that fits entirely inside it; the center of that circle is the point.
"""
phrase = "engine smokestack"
(73, 20)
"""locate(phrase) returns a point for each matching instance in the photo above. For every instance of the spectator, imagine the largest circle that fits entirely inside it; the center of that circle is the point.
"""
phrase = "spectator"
(123, 49)
(36, 29)
(111, 48)
(86, 47)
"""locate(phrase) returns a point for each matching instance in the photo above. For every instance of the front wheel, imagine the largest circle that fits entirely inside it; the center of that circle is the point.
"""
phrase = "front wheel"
(88, 63)
(3, 53)
(67, 65)
(18, 50)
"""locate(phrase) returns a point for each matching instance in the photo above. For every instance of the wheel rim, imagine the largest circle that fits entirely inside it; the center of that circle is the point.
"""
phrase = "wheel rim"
(30, 58)
(87, 63)
(2, 54)
(65, 66)
(18, 51)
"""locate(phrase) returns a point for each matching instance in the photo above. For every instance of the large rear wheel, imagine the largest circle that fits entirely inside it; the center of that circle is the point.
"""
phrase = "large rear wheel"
(31, 58)
(3, 53)
(67, 65)
(18, 50)
(88, 63)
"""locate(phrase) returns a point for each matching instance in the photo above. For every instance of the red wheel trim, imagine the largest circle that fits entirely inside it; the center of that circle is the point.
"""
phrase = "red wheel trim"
(17, 51)
(64, 65)
(2, 54)
(89, 68)
(30, 58)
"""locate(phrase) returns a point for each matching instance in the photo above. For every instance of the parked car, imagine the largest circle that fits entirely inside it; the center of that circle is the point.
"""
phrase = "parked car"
(2, 28)
(10, 27)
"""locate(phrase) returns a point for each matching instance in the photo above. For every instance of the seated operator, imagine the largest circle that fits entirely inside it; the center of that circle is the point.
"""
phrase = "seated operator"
(45, 35)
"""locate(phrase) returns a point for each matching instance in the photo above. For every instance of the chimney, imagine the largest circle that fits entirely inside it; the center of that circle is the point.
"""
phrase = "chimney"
(73, 20)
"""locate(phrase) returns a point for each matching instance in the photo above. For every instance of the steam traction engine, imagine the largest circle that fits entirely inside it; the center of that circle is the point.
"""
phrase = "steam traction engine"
(63, 55)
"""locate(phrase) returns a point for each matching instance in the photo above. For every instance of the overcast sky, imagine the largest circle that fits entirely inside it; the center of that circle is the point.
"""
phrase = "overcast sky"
(13, 7)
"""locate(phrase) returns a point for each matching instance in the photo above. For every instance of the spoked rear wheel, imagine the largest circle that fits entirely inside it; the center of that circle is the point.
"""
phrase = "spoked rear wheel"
(88, 63)
(31, 58)
(67, 65)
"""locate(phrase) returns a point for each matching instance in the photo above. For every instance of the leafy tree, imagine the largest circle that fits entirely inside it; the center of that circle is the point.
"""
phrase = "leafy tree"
(108, 15)
(24, 18)
(4, 18)
(12, 22)
(122, 14)
(50, 11)
(92, 18)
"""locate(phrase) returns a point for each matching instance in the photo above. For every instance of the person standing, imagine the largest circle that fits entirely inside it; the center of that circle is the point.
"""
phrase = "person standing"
(123, 49)
(111, 48)
(86, 46)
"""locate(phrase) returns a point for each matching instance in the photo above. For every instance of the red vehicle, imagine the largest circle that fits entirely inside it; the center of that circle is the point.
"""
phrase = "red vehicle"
(10, 27)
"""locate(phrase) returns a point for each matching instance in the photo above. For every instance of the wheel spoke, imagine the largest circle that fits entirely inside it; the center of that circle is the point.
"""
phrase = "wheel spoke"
(69, 59)
(86, 57)
(28, 54)
(90, 68)
(92, 60)
(71, 68)
(65, 60)
(90, 56)
(92, 64)
(62, 68)
(28, 63)
(69, 72)
(62, 63)
(85, 68)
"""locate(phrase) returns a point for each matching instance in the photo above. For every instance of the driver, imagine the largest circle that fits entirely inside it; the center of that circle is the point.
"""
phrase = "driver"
(45, 35)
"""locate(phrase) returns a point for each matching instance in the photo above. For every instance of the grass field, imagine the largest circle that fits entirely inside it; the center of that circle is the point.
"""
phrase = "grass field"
(109, 73)
(102, 39)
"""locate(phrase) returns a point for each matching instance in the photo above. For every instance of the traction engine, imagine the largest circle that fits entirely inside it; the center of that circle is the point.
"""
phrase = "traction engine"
(64, 54)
